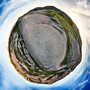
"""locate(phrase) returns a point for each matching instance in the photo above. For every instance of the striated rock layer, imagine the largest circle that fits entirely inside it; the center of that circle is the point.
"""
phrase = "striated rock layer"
(45, 45)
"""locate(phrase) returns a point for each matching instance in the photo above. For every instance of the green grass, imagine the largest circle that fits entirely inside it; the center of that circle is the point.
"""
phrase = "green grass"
(64, 22)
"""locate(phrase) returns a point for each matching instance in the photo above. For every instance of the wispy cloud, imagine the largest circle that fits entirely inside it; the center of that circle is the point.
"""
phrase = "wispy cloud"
(16, 8)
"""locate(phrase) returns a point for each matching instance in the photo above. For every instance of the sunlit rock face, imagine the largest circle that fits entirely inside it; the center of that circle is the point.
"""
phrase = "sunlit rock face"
(45, 45)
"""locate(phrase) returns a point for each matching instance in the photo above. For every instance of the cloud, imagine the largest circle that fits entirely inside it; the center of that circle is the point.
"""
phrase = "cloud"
(16, 8)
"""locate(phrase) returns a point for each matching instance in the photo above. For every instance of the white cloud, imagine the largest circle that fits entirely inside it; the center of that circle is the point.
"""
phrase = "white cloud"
(17, 8)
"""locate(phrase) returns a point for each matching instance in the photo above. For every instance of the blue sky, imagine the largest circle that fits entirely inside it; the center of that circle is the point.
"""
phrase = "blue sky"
(10, 10)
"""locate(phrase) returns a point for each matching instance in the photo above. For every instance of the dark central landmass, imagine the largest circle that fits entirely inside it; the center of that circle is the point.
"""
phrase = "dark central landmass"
(45, 45)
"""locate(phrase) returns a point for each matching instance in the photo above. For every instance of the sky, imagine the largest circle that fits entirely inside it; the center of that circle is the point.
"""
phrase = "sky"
(11, 10)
